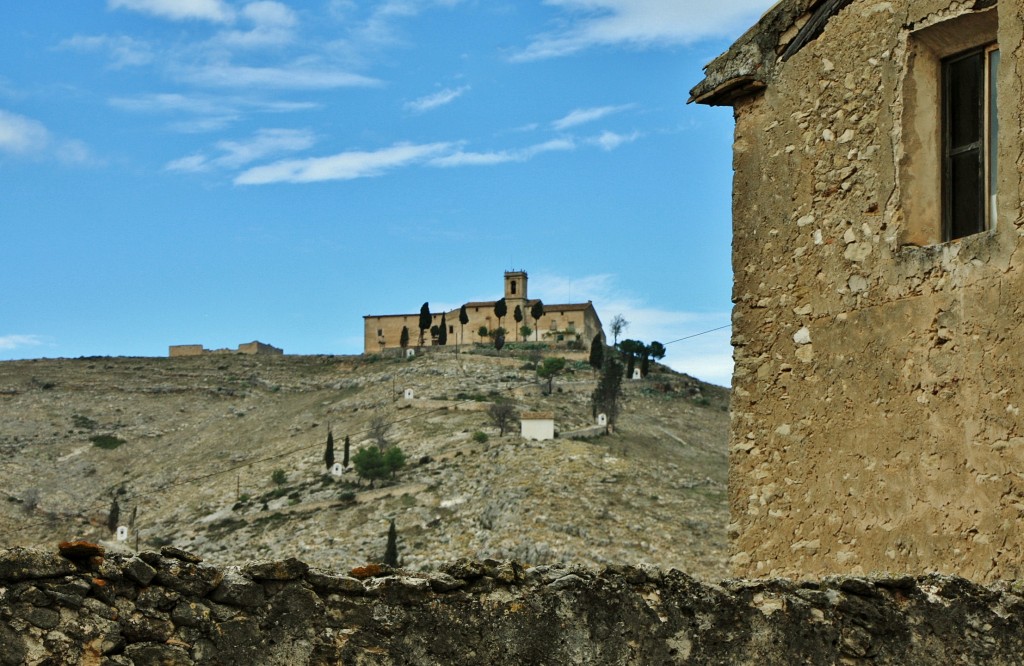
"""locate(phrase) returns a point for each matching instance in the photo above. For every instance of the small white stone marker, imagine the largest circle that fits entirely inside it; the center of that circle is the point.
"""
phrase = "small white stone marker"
(409, 394)
(636, 373)
(122, 533)
(602, 419)
(409, 353)
(337, 469)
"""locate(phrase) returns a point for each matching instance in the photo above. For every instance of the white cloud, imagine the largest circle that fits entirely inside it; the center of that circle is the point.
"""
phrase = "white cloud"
(440, 98)
(236, 154)
(295, 77)
(21, 135)
(581, 116)
(610, 140)
(123, 51)
(8, 342)
(707, 356)
(26, 137)
(273, 25)
(343, 166)
(179, 10)
(189, 164)
(639, 23)
(461, 158)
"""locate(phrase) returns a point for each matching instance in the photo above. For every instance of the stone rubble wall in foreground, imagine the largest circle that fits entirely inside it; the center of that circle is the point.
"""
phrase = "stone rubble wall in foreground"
(170, 608)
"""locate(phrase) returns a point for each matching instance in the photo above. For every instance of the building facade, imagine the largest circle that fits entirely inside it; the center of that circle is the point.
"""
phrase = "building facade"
(878, 256)
(561, 323)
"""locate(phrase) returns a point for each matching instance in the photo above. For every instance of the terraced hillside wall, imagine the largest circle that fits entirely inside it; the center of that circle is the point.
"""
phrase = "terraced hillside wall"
(170, 608)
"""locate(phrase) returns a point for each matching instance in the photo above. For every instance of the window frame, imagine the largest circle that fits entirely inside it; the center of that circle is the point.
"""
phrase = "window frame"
(983, 148)
(920, 155)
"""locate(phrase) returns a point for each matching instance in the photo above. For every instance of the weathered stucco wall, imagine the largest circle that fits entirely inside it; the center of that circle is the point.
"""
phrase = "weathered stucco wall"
(169, 608)
(878, 385)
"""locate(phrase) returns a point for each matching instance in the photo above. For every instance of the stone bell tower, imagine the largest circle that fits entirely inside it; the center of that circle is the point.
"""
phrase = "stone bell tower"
(515, 286)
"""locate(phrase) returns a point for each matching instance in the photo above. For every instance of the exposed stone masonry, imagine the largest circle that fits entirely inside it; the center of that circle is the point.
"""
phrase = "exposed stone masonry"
(171, 608)
(877, 390)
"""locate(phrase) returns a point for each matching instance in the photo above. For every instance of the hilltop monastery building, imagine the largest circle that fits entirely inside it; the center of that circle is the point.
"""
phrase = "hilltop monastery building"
(561, 323)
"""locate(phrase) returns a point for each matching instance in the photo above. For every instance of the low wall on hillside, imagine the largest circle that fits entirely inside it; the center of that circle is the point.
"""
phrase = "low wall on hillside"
(171, 608)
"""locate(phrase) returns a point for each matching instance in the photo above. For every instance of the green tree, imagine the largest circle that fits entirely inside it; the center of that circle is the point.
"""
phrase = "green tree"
(525, 331)
(500, 309)
(605, 398)
(394, 459)
(499, 338)
(631, 351)
(517, 314)
(442, 333)
(425, 320)
(463, 320)
(391, 550)
(279, 476)
(370, 465)
(596, 359)
(536, 312)
(329, 451)
(618, 325)
(550, 367)
(658, 350)
(403, 339)
(344, 460)
(482, 332)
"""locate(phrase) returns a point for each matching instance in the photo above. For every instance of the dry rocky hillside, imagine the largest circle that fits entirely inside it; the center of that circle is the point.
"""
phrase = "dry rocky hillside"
(190, 446)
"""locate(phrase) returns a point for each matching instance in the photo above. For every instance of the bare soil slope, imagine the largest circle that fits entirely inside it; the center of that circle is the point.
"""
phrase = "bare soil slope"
(202, 437)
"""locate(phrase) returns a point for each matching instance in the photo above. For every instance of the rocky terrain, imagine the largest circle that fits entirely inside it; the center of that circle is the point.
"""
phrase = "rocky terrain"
(192, 446)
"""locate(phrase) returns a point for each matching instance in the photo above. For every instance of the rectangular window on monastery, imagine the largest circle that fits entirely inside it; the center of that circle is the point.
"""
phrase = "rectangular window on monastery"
(970, 139)
(949, 129)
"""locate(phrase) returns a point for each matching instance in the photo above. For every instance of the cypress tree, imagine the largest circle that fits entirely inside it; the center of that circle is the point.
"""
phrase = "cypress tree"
(500, 310)
(537, 311)
(442, 333)
(425, 319)
(463, 320)
(391, 551)
(596, 353)
(344, 461)
(517, 314)
(114, 516)
(329, 451)
(403, 339)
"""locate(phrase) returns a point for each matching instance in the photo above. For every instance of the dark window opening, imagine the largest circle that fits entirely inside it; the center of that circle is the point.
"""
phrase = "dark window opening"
(513, 287)
(969, 131)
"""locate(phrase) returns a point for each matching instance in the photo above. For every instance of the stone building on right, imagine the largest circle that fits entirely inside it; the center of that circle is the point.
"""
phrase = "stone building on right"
(878, 321)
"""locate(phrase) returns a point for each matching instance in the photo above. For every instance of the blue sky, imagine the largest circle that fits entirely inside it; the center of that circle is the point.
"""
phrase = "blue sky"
(218, 171)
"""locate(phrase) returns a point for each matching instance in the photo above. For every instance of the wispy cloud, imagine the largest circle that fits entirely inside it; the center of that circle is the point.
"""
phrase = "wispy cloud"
(290, 77)
(122, 50)
(214, 112)
(273, 24)
(610, 140)
(433, 101)
(179, 10)
(236, 154)
(707, 356)
(9, 342)
(462, 158)
(343, 166)
(21, 135)
(29, 138)
(637, 23)
(582, 116)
